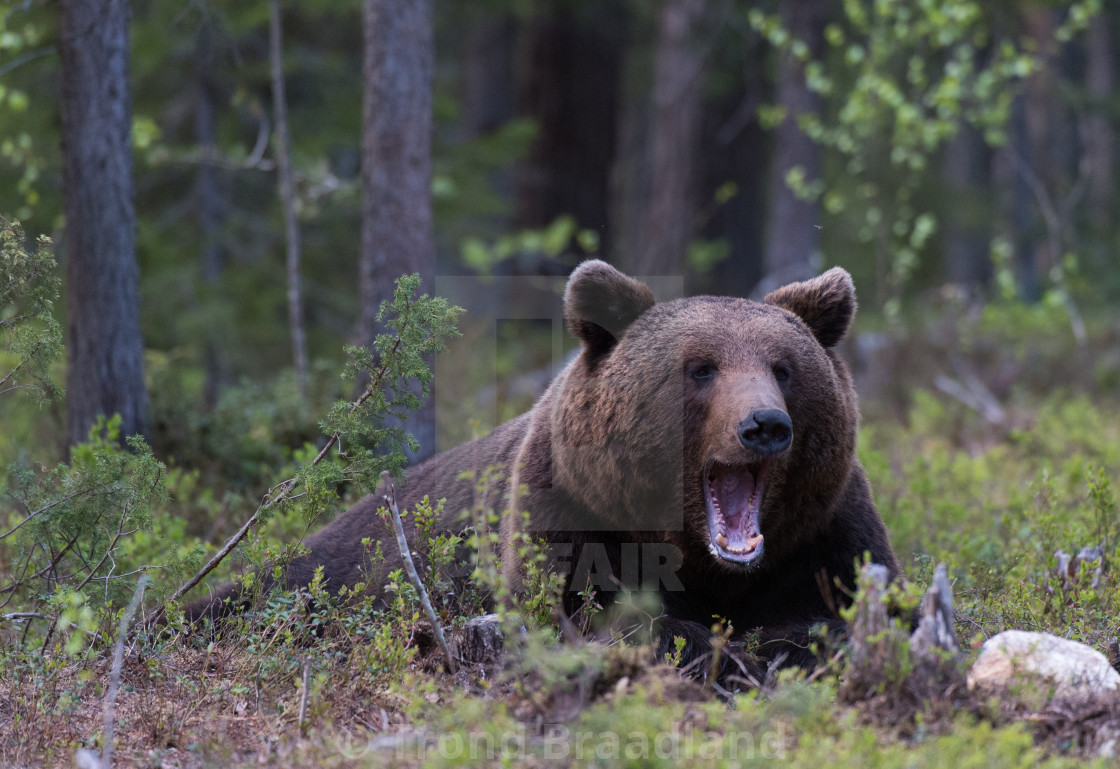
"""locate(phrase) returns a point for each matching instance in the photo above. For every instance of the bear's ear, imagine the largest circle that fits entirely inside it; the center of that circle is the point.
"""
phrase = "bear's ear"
(826, 304)
(600, 303)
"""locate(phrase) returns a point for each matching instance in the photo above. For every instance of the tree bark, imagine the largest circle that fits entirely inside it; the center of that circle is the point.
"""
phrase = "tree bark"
(736, 150)
(488, 71)
(105, 352)
(630, 174)
(396, 167)
(570, 88)
(967, 215)
(287, 198)
(1022, 216)
(209, 209)
(668, 224)
(1097, 133)
(792, 240)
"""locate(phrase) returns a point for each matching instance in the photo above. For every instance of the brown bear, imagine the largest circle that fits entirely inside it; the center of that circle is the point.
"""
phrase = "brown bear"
(703, 448)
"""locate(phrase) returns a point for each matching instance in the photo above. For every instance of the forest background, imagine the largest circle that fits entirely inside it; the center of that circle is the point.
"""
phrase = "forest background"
(233, 188)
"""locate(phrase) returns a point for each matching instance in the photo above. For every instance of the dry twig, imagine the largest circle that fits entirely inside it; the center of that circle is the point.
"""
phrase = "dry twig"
(115, 674)
(390, 498)
(304, 694)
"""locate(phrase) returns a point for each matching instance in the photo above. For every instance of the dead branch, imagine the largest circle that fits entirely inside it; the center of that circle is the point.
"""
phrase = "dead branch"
(115, 674)
(390, 498)
(302, 719)
(19, 616)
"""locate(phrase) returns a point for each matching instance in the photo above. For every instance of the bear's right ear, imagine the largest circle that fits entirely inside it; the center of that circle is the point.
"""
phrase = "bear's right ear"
(600, 303)
(826, 304)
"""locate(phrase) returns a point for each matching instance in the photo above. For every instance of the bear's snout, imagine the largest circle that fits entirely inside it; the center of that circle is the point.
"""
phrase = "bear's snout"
(766, 431)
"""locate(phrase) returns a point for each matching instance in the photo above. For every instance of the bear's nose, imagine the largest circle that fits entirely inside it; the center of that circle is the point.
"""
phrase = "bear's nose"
(766, 431)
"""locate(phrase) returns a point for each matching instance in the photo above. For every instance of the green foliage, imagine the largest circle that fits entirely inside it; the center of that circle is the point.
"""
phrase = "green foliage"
(897, 82)
(30, 337)
(557, 239)
(24, 39)
(463, 190)
(649, 724)
(1001, 517)
(417, 326)
(703, 255)
(365, 435)
(68, 535)
(244, 440)
(1055, 310)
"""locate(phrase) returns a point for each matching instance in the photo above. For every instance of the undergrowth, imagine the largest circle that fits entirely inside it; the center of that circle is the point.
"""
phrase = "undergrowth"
(1009, 518)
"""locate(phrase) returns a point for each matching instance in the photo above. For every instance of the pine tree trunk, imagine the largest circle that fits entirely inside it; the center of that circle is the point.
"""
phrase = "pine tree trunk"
(669, 221)
(792, 240)
(1097, 133)
(1021, 203)
(736, 151)
(209, 210)
(630, 172)
(283, 151)
(967, 215)
(105, 352)
(488, 71)
(397, 167)
(570, 89)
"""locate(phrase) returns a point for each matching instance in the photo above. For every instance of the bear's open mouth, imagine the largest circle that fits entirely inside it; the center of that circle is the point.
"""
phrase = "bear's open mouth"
(734, 494)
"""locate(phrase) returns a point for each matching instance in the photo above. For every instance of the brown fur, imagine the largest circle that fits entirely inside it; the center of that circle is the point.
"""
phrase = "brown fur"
(613, 453)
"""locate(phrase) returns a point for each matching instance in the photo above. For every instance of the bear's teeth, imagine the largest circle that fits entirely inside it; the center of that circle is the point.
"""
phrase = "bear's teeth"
(722, 541)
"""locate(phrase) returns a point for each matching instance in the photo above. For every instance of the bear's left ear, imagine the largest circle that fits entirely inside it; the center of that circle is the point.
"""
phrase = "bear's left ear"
(600, 303)
(826, 304)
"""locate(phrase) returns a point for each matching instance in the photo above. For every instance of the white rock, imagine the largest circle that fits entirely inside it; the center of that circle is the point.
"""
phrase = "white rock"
(1036, 668)
(1108, 740)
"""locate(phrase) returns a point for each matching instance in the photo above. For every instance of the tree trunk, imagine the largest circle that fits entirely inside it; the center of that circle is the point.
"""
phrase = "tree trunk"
(735, 151)
(287, 198)
(105, 352)
(668, 225)
(209, 209)
(1022, 217)
(570, 88)
(488, 72)
(1097, 132)
(630, 182)
(967, 215)
(792, 240)
(1038, 154)
(396, 167)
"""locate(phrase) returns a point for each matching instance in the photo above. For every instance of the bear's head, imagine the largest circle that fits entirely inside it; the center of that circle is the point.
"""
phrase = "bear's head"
(722, 425)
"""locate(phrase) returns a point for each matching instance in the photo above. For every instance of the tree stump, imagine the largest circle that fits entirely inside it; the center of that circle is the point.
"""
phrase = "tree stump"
(481, 641)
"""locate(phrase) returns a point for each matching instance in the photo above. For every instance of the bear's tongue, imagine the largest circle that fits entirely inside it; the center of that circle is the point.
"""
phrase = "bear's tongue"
(734, 495)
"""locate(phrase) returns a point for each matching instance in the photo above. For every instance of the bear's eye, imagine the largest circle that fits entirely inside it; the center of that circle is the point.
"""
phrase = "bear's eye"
(781, 373)
(704, 372)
